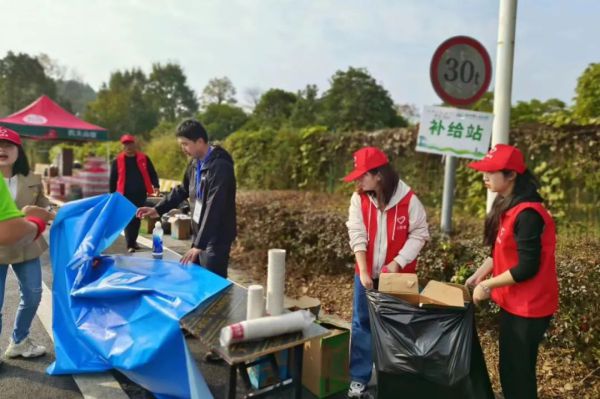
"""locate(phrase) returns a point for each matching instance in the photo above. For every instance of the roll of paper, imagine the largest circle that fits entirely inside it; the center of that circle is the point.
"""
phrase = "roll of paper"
(255, 307)
(275, 281)
(265, 327)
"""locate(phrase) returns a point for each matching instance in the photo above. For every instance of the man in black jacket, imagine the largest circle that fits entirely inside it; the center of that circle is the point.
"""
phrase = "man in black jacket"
(209, 184)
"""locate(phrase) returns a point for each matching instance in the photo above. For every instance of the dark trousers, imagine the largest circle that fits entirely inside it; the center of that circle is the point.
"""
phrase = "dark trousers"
(520, 338)
(133, 228)
(216, 259)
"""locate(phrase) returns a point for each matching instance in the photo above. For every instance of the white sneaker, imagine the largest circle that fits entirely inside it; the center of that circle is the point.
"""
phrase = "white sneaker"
(358, 390)
(25, 348)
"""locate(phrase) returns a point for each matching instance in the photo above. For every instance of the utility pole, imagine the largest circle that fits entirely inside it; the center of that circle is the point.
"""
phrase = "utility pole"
(505, 52)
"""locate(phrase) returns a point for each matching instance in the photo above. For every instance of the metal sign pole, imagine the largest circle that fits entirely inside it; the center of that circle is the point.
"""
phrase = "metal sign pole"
(448, 196)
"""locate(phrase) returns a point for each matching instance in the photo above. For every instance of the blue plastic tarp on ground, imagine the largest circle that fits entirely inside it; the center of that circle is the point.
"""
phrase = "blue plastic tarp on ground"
(122, 312)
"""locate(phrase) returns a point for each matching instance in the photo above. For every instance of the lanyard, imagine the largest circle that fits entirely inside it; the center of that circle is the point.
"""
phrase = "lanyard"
(199, 167)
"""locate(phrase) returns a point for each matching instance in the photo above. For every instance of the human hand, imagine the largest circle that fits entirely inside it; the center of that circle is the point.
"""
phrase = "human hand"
(476, 278)
(366, 281)
(191, 256)
(391, 267)
(36, 211)
(147, 211)
(481, 294)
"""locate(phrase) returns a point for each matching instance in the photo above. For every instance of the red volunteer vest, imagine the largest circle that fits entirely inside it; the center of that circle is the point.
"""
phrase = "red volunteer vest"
(397, 231)
(538, 296)
(142, 163)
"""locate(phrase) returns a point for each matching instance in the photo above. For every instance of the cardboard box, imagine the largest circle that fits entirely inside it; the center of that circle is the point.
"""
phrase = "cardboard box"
(147, 225)
(181, 227)
(262, 374)
(304, 302)
(406, 286)
(325, 363)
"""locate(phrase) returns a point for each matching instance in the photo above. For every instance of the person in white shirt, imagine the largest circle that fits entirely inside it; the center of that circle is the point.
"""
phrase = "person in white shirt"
(387, 226)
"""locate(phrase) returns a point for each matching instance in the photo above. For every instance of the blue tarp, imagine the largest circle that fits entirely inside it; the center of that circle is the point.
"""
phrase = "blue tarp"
(122, 312)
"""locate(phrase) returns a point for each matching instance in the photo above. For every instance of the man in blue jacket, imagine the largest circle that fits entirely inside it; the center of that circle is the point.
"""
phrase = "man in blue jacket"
(209, 185)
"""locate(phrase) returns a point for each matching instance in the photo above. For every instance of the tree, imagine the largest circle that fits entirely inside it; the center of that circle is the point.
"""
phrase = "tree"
(169, 93)
(22, 80)
(307, 107)
(218, 91)
(52, 68)
(77, 93)
(409, 112)
(534, 110)
(220, 120)
(587, 98)
(274, 108)
(355, 101)
(122, 105)
(485, 103)
(252, 97)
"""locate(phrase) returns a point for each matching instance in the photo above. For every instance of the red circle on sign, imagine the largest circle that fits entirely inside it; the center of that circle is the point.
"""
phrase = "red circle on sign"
(435, 61)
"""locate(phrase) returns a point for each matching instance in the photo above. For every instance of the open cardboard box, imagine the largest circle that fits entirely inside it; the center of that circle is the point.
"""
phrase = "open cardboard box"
(325, 371)
(406, 286)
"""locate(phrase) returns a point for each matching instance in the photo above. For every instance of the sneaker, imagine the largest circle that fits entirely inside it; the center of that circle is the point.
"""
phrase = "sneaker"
(25, 348)
(131, 250)
(358, 390)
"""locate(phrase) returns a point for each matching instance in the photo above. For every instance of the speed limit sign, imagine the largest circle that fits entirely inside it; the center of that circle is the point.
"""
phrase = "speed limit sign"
(460, 71)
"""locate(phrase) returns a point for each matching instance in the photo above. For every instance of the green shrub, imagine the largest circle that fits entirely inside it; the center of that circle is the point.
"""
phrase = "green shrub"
(567, 160)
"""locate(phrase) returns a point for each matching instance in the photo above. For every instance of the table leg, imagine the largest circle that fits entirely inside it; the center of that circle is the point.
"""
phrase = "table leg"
(232, 381)
(297, 371)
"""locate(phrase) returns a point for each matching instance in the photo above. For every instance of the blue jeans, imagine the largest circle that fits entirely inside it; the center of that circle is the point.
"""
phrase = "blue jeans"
(361, 350)
(29, 274)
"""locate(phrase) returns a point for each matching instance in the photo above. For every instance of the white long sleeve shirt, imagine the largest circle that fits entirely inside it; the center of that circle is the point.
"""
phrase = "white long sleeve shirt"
(418, 230)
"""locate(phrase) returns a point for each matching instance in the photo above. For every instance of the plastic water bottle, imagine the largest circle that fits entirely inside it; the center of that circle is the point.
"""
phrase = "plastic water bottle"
(157, 241)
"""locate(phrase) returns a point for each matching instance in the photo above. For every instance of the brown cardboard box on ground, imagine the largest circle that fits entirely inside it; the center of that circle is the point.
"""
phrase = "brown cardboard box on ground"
(181, 227)
(325, 363)
(405, 286)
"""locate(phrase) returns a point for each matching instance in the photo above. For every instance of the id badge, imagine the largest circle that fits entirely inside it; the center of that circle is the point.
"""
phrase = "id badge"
(197, 211)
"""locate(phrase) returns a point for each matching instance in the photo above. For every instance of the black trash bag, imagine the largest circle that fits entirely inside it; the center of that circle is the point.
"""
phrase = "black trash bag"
(432, 352)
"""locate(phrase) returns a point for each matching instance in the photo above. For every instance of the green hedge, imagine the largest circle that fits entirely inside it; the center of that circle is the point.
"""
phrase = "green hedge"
(566, 161)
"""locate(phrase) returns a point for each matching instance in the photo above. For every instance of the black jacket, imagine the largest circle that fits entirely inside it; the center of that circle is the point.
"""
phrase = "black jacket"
(218, 217)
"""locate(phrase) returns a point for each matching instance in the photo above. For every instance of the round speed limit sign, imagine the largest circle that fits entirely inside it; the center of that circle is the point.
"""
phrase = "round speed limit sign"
(460, 71)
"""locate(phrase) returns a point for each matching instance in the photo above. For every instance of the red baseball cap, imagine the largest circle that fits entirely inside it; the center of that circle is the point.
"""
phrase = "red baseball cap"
(7, 134)
(501, 157)
(366, 159)
(127, 138)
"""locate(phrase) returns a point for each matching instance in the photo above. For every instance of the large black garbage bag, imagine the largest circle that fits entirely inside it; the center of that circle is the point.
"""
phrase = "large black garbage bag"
(433, 352)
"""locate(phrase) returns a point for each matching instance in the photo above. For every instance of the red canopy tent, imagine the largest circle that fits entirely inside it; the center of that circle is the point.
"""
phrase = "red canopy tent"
(46, 120)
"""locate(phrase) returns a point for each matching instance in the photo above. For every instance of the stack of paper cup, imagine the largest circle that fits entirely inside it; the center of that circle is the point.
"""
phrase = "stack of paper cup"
(256, 302)
(275, 281)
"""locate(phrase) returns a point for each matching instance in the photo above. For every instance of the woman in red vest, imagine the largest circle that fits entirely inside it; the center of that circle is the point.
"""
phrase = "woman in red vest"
(133, 175)
(522, 236)
(387, 226)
